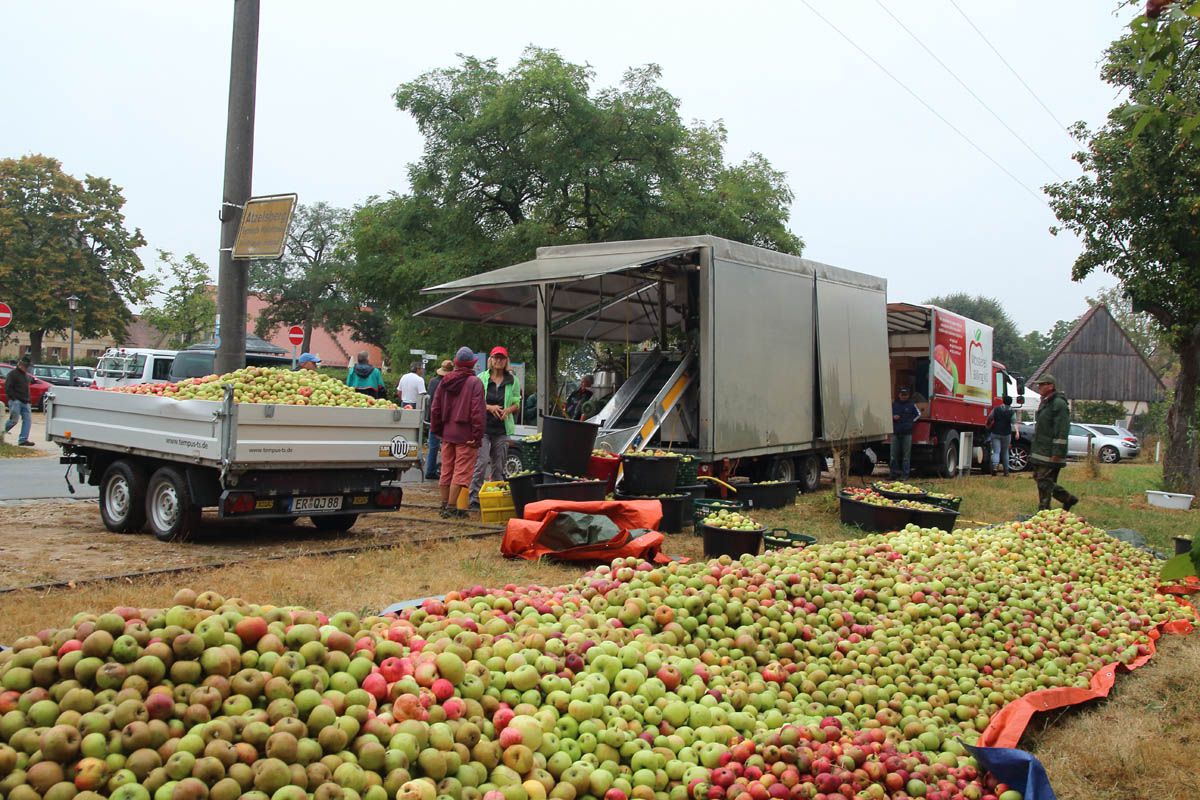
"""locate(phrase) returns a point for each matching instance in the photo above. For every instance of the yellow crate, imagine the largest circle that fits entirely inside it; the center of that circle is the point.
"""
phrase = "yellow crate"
(497, 515)
(495, 506)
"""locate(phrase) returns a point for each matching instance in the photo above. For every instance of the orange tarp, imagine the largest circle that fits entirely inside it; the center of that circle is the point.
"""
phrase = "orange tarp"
(521, 535)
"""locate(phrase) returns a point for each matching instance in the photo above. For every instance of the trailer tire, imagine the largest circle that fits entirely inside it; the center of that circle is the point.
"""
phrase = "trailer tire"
(123, 497)
(809, 476)
(171, 513)
(947, 455)
(782, 468)
(334, 522)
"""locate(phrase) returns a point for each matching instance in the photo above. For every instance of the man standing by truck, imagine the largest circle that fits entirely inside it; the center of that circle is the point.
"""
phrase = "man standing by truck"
(904, 415)
(16, 389)
(1049, 450)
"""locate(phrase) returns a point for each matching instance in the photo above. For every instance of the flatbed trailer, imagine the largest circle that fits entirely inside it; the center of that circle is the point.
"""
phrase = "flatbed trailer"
(158, 462)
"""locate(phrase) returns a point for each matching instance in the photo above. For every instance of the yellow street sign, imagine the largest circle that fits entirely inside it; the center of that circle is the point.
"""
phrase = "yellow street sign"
(264, 227)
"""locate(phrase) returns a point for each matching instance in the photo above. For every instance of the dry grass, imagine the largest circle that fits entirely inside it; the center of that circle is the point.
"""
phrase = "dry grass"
(12, 451)
(1140, 743)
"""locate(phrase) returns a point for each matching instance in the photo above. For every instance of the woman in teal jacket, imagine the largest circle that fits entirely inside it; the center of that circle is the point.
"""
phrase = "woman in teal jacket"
(503, 399)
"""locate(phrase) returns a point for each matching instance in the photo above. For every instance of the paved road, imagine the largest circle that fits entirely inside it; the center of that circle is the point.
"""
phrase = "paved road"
(38, 478)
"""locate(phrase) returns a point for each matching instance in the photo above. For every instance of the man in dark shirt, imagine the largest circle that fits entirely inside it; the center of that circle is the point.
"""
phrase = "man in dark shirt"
(16, 389)
(904, 414)
(1000, 423)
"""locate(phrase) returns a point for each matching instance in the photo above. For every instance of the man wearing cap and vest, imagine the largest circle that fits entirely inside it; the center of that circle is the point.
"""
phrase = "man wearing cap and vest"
(503, 400)
(1049, 449)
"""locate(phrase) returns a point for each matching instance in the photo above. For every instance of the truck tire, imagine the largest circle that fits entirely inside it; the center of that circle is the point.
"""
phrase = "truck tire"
(809, 475)
(947, 455)
(171, 513)
(782, 468)
(123, 496)
(334, 522)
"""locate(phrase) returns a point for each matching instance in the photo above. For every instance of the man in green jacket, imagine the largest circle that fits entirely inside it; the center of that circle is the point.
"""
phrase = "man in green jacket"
(1049, 451)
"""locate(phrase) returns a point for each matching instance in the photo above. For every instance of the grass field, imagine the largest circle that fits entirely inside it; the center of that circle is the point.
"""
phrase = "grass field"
(12, 451)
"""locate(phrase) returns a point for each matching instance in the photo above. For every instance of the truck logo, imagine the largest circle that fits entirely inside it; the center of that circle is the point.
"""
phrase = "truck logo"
(401, 447)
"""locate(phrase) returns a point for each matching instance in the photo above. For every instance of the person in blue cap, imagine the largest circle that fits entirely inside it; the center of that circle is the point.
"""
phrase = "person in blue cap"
(309, 361)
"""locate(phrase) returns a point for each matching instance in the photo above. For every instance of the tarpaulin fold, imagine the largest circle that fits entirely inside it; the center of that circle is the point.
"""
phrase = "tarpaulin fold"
(539, 534)
(1017, 768)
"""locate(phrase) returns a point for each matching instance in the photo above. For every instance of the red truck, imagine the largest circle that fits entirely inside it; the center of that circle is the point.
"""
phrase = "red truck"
(946, 359)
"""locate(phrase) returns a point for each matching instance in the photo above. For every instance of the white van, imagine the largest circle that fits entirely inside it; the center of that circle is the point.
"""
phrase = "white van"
(133, 365)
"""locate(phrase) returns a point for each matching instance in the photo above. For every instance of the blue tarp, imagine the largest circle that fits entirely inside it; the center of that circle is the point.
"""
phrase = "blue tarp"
(1020, 770)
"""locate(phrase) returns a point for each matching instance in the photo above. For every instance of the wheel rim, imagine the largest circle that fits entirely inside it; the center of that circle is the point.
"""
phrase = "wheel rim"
(512, 465)
(812, 472)
(952, 458)
(1016, 459)
(117, 498)
(164, 506)
(783, 470)
(1108, 455)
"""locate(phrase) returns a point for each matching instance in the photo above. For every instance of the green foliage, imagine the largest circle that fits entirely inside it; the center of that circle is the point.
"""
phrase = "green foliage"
(1039, 346)
(307, 286)
(61, 236)
(535, 156)
(188, 308)
(1098, 411)
(1135, 210)
(1008, 346)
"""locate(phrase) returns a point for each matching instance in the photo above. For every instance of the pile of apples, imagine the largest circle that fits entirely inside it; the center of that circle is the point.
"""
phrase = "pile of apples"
(731, 520)
(900, 487)
(264, 385)
(853, 669)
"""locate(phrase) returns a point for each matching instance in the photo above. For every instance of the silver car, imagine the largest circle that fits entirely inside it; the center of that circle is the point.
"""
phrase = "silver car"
(1111, 442)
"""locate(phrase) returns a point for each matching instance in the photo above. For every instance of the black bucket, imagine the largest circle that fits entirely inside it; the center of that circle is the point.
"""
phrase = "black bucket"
(524, 491)
(567, 445)
(735, 544)
(676, 509)
(648, 475)
(943, 519)
(872, 517)
(556, 488)
(890, 495)
(768, 495)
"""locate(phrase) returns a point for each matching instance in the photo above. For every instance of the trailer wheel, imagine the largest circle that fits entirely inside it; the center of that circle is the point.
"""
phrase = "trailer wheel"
(123, 497)
(170, 511)
(947, 463)
(811, 467)
(781, 469)
(334, 522)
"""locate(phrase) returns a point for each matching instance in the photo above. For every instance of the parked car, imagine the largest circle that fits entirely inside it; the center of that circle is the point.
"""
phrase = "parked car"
(131, 366)
(60, 375)
(1109, 447)
(37, 389)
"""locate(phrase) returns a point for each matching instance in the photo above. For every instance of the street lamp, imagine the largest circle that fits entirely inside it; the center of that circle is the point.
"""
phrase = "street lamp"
(73, 305)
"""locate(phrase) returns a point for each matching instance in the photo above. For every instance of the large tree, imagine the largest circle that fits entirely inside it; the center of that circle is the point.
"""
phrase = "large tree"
(1136, 214)
(536, 155)
(186, 309)
(1008, 346)
(306, 286)
(61, 236)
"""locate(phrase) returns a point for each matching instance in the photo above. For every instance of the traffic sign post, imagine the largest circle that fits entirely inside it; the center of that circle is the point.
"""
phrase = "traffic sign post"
(6, 315)
(296, 337)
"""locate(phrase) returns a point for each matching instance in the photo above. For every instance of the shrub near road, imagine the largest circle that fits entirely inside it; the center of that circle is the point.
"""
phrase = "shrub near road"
(851, 667)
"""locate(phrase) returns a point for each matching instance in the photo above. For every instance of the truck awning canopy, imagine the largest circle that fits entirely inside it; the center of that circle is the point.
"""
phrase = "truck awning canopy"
(598, 294)
(907, 318)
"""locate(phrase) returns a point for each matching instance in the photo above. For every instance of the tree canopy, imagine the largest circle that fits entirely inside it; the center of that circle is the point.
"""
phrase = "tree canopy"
(187, 309)
(1137, 217)
(307, 286)
(536, 155)
(61, 236)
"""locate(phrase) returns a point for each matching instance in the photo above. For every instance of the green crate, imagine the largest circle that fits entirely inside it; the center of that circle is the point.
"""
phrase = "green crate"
(685, 474)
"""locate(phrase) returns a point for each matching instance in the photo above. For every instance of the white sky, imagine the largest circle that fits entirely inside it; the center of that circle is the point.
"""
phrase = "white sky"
(137, 92)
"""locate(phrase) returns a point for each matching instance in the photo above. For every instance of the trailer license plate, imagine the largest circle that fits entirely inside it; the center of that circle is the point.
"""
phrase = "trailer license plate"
(331, 502)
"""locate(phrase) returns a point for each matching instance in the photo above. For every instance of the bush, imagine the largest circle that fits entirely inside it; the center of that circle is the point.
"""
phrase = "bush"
(1099, 412)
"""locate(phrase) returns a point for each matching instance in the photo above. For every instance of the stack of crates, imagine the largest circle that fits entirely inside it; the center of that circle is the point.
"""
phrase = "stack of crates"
(686, 475)
(495, 502)
(530, 453)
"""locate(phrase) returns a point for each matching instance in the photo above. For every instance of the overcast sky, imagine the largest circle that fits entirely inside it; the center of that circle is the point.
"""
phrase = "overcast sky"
(137, 92)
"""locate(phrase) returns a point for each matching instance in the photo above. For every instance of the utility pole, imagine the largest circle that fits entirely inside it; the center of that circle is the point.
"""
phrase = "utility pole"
(239, 169)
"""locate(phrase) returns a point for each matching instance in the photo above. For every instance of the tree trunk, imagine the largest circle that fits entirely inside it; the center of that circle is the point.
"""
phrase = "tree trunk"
(304, 346)
(35, 345)
(1181, 467)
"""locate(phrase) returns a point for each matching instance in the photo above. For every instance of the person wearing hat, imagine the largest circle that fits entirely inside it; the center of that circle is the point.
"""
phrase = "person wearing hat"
(16, 389)
(456, 418)
(308, 361)
(1049, 448)
(503, 401)
(432, 461)
(904, 414)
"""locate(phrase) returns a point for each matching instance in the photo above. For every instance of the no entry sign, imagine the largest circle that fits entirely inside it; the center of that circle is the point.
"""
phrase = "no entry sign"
(5, 315)
(295, 334)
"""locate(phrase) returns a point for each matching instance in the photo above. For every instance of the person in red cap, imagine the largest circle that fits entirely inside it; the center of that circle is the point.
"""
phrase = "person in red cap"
(457, 419)
(503, 399)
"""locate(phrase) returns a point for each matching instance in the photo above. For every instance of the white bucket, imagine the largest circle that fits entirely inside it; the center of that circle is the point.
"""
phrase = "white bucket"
(1181, 502)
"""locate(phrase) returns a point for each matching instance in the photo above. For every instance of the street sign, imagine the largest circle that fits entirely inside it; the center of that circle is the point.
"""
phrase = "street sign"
(264, 226)
(5, 315)
(296, 335)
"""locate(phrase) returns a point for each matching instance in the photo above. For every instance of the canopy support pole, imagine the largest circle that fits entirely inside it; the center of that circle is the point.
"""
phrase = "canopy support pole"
(662, 314)
(545, 304)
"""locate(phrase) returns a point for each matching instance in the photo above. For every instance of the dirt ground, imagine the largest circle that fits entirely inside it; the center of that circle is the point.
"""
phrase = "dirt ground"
(64, 540)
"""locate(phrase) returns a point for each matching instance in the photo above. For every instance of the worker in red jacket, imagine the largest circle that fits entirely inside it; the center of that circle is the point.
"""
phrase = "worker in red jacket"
(457, 419)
